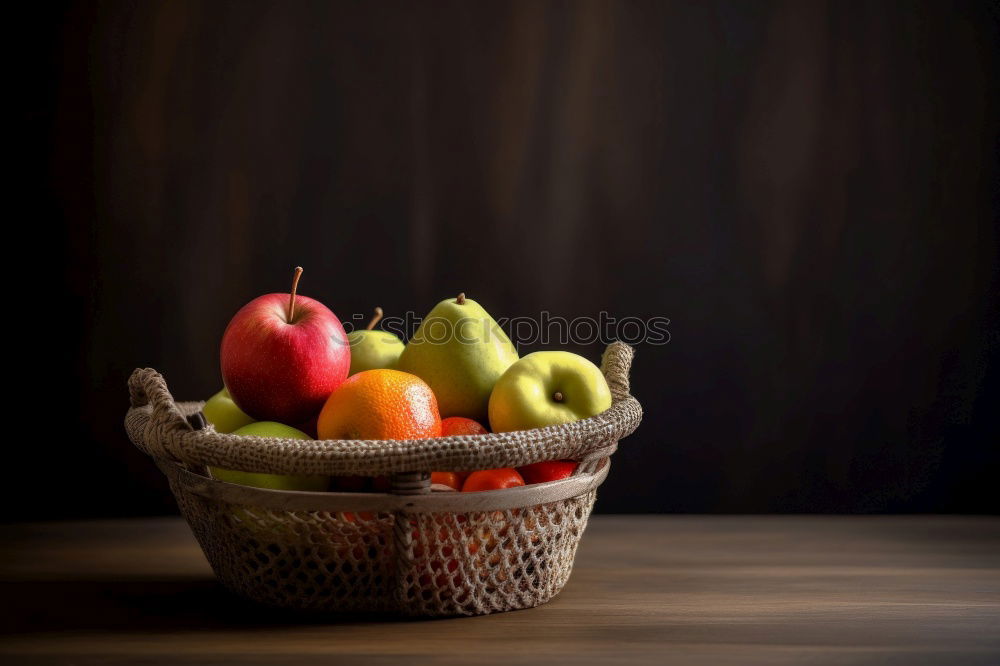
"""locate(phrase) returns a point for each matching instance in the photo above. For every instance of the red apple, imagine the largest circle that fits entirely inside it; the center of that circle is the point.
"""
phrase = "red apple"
(283, 355)
(492, 479)
(550, 470)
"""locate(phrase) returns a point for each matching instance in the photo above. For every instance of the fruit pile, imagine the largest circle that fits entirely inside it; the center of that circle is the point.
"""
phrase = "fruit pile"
(290, 370)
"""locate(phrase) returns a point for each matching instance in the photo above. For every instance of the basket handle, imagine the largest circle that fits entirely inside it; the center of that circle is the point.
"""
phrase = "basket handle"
(148, 387)
(615, 365)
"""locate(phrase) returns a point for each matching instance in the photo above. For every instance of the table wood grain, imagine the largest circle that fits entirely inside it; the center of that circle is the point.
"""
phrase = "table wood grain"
(645, 589)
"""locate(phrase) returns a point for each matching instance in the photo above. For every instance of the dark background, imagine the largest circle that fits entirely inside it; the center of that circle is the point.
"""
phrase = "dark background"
(808, 190)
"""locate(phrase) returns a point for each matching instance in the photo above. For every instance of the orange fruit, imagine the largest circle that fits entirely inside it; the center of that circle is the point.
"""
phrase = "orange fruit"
(380, 404)
(450, 479)
(459, 425)
(492, 479)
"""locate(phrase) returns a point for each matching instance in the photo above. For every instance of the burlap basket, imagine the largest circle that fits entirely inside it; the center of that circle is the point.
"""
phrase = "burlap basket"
(410, 551)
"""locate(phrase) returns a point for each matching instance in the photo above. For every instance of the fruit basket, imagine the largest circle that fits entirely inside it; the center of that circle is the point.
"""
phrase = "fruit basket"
(408, 551)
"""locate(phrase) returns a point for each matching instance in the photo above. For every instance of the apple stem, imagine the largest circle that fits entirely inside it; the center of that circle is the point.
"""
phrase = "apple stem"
(461, 299)
(375, 320)
(291, 298)
(558, 397)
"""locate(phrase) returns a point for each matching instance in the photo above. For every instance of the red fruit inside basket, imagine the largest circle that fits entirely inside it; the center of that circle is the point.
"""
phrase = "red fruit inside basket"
(360, 516)
(444, 573)
(459, 425)
(282, 355)
(492, 479)
(442, 558)
(549, 470)
(450, 479)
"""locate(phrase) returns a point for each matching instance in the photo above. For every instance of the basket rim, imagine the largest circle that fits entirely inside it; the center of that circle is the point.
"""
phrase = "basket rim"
(436, 502)
(159, 426)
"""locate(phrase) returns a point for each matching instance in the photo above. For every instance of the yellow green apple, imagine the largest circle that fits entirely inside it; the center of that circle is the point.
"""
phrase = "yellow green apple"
(273, 481)
(547, 388)
(371, 349)
(222, 412)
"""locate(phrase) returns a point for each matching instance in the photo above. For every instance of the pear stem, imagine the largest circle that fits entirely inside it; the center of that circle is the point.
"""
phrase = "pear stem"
(461, 299)
(291, 298)
(375, 320)
(558, 397)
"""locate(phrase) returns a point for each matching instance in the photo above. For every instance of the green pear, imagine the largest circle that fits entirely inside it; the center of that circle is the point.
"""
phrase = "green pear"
(222, 412)
(460, 351)
(273, 481)
(371, 349)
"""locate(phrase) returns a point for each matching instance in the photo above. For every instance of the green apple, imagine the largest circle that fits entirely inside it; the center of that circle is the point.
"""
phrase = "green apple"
(547, 388)
(460, 351)
(274, 481)
(371, 349)
(222, 412)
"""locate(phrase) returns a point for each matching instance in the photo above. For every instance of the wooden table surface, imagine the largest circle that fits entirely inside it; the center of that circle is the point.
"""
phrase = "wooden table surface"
(664, 589)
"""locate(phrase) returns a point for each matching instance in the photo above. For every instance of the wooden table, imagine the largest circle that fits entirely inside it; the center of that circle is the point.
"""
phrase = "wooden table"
(665, 589)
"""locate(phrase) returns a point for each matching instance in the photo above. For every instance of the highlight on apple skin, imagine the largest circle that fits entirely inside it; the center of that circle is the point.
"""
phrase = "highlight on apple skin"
(547, 388)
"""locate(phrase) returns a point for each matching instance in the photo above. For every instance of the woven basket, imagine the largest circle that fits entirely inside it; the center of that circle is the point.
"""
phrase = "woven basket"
(410, 551)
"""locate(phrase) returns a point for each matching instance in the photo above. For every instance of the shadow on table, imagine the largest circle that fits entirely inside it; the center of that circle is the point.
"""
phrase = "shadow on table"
(142, 606)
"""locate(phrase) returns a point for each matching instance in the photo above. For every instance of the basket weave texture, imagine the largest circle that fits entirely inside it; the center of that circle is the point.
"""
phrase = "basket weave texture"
(409, 551)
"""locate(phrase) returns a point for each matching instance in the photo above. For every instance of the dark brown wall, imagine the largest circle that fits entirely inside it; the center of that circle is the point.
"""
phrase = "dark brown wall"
(808, 190)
